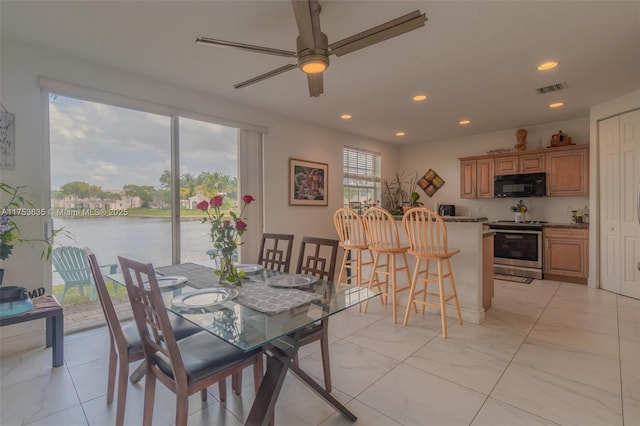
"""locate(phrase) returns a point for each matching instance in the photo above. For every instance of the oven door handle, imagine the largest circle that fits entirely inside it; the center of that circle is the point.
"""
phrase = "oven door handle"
(511, 231)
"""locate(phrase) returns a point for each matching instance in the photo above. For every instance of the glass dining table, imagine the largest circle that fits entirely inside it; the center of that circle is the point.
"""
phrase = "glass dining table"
(270, 310)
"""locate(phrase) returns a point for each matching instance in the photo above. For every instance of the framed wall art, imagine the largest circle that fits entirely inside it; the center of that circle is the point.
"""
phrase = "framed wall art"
(430, 182)
(308, 183)
(7, 140)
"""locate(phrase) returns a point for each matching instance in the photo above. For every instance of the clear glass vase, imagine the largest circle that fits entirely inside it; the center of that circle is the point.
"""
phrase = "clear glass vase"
(228, 272)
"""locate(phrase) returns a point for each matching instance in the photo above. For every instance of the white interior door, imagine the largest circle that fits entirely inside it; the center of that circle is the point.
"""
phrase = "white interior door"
(630, 188)
(619, 163)
(609, 157)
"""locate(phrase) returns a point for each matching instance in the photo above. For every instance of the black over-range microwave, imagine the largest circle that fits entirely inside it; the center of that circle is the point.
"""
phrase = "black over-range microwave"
(523, 185)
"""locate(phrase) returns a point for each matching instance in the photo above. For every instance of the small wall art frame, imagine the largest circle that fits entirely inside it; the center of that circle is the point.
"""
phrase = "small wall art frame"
(430, 182)
(7, 140)
(308, 183)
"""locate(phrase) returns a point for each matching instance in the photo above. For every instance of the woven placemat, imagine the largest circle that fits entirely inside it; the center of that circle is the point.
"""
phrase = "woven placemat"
(199, 276)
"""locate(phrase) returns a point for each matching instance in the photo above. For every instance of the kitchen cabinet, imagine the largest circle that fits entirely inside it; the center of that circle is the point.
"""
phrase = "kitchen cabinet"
(476, 178)
(521, 163)
(567, 171)
(566, 254)
(619, 213)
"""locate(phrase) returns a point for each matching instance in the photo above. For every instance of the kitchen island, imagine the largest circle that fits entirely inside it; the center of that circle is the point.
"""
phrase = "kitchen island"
(467, 234)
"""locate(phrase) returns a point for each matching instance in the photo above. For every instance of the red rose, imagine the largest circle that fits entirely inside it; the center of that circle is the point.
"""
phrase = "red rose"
(216, 201)
(248, 199)
(203, 205)
(227, 223)
(240, 225)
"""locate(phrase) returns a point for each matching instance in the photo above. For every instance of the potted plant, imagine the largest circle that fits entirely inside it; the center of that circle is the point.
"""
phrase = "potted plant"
(10, 237)
(413, 192)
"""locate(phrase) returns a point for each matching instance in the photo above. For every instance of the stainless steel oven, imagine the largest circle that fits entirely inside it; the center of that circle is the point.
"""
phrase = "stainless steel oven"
(517, 248)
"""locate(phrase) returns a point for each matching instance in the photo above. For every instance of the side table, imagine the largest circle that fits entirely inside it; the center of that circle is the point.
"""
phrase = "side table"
(49, 308)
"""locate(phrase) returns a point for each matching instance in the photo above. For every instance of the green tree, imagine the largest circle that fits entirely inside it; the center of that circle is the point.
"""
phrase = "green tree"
(188, 181)
(77, 189)
(165, 179)
(145, 192)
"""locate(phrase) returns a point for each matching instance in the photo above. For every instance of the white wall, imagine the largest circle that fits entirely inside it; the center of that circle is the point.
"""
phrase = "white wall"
(442, 156)
(20, 67)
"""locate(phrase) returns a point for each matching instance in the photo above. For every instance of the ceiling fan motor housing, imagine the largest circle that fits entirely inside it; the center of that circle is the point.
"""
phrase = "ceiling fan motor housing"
(308, 57)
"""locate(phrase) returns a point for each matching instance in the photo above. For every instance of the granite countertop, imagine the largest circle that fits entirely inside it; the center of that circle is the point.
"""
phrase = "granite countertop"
(465, 219)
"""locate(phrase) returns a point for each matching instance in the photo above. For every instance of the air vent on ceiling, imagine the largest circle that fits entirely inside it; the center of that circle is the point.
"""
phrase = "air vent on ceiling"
(551, 88)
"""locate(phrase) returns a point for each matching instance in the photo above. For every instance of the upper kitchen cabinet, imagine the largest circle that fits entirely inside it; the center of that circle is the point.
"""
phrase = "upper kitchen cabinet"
(521, 163)
(567, 171)
(476, 178)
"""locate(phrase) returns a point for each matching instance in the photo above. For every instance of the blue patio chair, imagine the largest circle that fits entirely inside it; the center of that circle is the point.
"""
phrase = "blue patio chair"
(72, 265)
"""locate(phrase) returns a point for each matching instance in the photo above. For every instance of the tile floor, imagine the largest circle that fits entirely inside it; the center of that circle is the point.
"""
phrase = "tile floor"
(549, 353)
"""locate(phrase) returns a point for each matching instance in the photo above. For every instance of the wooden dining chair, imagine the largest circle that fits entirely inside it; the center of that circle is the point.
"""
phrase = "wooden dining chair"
(384, 242)
(125, 346)
(317, 257)
(353, 239)
(427, 234)
(186, 366)
(275, 251)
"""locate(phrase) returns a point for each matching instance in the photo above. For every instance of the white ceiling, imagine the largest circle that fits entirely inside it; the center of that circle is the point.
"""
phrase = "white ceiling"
(474, 59)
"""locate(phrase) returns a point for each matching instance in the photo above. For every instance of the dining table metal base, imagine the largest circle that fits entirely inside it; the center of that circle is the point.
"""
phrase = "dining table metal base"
(280, 354)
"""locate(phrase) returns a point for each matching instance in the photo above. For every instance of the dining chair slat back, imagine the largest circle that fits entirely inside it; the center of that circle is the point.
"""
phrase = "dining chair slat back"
(185, 366)
(275, 251)
(124, 342)
(317, 257)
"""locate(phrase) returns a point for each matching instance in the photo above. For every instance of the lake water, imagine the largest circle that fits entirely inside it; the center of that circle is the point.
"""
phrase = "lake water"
(144, 239)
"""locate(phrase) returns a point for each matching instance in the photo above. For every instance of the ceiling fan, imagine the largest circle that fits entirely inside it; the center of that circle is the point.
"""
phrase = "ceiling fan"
(313, 49)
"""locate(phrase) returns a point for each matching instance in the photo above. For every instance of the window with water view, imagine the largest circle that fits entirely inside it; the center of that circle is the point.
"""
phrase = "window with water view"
(111, 178)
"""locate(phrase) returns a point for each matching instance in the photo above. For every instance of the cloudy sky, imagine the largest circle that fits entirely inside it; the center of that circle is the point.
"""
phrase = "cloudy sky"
(111, 147)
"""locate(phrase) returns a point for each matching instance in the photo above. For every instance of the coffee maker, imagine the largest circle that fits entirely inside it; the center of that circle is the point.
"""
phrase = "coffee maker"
(447, 210)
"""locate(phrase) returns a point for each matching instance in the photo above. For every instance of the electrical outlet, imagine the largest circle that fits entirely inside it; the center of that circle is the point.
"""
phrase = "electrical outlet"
(480, 208)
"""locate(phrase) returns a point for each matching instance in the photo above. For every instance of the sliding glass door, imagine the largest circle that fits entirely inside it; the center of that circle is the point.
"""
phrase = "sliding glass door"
(112, 174)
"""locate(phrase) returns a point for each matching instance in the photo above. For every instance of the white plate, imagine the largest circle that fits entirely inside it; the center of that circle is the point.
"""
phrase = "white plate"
(170, 281)
(291, 280)
(249, 268)
(204, 298)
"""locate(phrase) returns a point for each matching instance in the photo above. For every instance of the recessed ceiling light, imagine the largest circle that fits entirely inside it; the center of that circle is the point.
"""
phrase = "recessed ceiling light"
(346, 116)
(419, 98)
(400, 133)
(556, 105)
(547, 66)
(464, 122)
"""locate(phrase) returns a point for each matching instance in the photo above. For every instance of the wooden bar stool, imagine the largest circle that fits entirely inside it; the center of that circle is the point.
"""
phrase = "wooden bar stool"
(384, 240)
(427, 234)
(353, 239)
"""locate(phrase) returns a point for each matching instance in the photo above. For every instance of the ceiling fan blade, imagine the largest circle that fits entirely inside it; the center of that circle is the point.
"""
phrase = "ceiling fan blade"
(307, 14)
(265, 76)
(316, 86)
(250, 47)
(382, 32)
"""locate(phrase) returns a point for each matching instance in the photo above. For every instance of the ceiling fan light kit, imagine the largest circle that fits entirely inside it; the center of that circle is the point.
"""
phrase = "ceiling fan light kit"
(313, 49)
